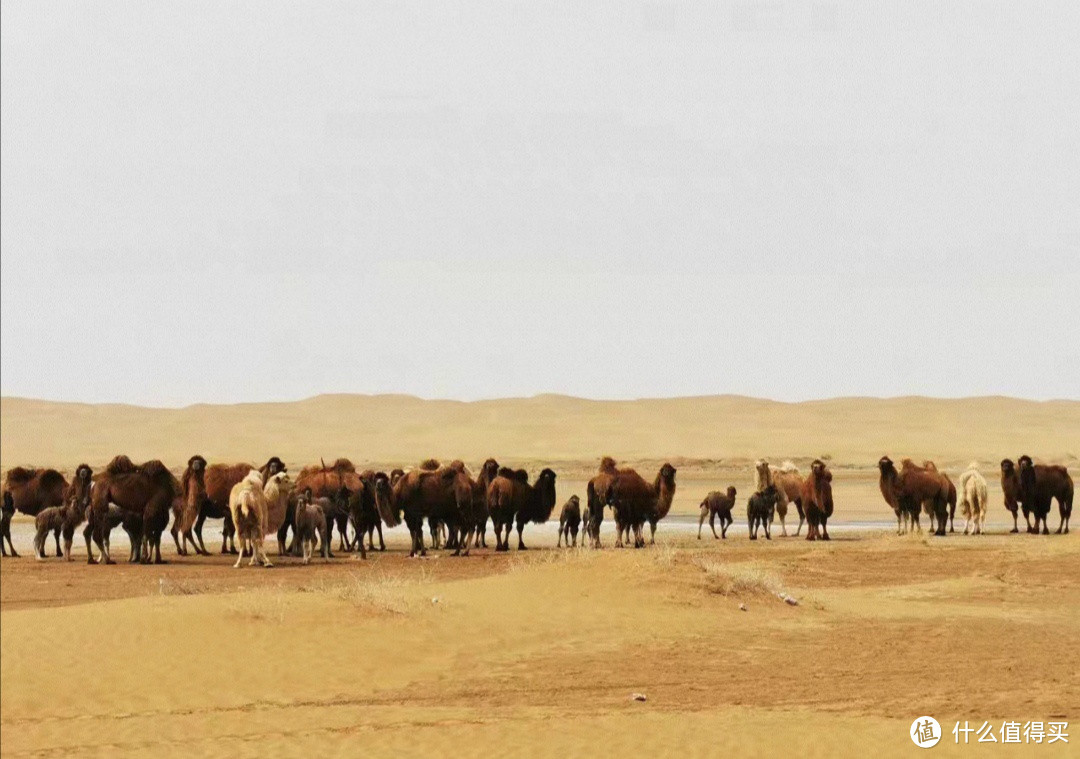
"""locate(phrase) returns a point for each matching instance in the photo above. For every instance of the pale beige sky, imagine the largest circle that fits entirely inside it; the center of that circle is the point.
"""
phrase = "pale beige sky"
(241, 201)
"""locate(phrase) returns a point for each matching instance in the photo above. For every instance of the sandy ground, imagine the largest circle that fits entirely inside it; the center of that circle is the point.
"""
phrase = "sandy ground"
(538, 653)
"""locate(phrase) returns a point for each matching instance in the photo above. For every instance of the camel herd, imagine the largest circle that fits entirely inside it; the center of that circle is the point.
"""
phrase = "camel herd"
(257, 502)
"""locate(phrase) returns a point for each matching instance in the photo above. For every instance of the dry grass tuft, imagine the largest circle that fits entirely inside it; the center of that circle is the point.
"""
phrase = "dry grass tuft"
(262, 605)
(378, 591)
(738, 579)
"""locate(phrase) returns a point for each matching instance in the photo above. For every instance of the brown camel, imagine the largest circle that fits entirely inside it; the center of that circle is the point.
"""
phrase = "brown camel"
(30, 491)
(596, 498)
(364, 514)
(760, 510)
(64, 519)
(327, 482)
(908, 489)
(717, 504)
(635, 501)
(569, 522)
(146, 491)
(511, 498)
(818, 501)
(219, 480)
(1013, 492)
(187, 506)
(433, 493)
(488, 472)
(1040, 485)
(950, 499)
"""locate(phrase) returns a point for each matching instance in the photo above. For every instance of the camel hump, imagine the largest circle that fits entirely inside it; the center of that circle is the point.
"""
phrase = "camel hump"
(514, 474)
(607, 464)
(429, 465)
(120, 465)
(343, 465)
(19, 474)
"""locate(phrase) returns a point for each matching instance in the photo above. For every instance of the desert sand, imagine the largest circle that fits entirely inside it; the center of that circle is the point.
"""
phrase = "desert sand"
(538, 653)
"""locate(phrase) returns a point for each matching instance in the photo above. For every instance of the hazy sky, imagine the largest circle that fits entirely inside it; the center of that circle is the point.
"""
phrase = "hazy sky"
(225, 201)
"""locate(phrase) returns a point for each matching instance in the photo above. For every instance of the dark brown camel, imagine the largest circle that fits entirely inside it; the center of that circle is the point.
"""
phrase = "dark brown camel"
(29, 491)
(146, 491)
(433, 493)
(635, 501)
(717, 504)
(1013, 492)
(511, 497)
(1040, 484)
(818, 501)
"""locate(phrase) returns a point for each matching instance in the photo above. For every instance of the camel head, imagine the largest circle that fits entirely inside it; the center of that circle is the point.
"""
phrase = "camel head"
(84, 473)
(545, 488)
(664, 485)
(384, 499)
(273, 466)
(1008, 468)
(886, 466)
(490, 470)
(731, 492)
(1027, 471)
(607, 465)
(763, 475)
(395, 475)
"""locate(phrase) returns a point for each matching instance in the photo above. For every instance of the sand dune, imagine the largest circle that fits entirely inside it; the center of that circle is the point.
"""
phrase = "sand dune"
(385, 429)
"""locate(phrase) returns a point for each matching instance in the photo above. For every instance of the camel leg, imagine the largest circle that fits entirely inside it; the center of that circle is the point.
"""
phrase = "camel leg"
(521, 543)
(56, 536)
(712, 526)
(652, 533)
(783, 525)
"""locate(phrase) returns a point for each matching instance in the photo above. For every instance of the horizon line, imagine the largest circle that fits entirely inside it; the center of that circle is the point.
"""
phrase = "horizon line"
(536, 396)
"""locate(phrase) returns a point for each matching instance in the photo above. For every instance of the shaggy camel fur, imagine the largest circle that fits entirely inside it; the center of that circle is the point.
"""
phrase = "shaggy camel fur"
(950, 498)
(276, 492)
(1010, 488)
(569, 521)
(29, 491)
(247, 505)
(310, 526)
(973, 498)
(511, 498)
(1040, 485)
(717, 504)
(488, 472)
(905, 491)
(634, 501)
(788, 483)
(760, 509)
(596, 498)
(145, 491)
(818, 501)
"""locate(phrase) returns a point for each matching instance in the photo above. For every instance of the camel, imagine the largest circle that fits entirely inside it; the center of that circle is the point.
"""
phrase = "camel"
(818, 501)
(364, 514)
(432, 492)
(219, 481)
(146, 491)
(247, 504)
(30, 491)
(717, 504)
(187, 506)
(488, 472)
(511, 497)
(973, 498)
(64, 519)
(596, 499)
(1014, 497)
(788, 484)
(760, 510)
(276, 491)
(635, 501)
(569, 521)
(1040, 484)
(310, 525)
(908, 489)
(950, 498)
(327, 482)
